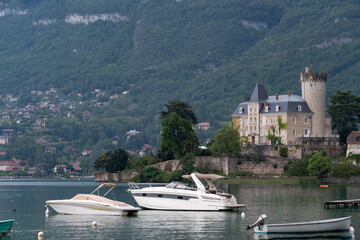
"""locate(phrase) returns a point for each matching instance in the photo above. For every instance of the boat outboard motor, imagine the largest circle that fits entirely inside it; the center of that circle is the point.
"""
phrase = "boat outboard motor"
(260, 222)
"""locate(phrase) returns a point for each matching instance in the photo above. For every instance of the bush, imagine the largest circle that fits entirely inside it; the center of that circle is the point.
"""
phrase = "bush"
(345, 170)
(283, 151)
(319, 165)
(151, 174)
(205, 152)
(257, 157)
(299, 168)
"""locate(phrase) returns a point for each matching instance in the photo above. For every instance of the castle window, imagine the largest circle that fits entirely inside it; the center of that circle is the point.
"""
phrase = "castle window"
(306, 133)
(299, 108)
(254, 110)
(251, 119)
(241, 134)
(282, 132)
(294, 132)
(352, 147)
(246, 122)
(311, 85)
(250, 129)
(358, 147)
(250, 109)
(254, 119)
(271, 121)
(261, 132)
(282, 140)
(306, 120)
(240, 110)
(294, 120)
(255, 129)
(246, 134)
(240, 122)
(276, 132)
(266, 121)
(277, 108)
(276, 120)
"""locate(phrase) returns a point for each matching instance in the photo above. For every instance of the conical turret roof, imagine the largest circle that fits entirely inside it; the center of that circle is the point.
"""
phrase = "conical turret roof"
(259, 94)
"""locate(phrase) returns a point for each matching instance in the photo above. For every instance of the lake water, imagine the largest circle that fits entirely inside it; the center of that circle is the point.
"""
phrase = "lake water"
(281, 203)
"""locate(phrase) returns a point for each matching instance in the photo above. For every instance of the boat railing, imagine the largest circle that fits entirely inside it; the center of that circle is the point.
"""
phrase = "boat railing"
(133, 185)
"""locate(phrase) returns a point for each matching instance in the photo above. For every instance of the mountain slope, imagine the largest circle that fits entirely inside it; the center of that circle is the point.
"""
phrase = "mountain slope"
(208, 53)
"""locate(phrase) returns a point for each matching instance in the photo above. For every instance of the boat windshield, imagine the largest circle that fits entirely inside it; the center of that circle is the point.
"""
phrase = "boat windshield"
(180, 185)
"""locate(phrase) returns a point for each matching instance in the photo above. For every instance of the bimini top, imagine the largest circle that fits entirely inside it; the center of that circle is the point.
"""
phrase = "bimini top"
(205, 176)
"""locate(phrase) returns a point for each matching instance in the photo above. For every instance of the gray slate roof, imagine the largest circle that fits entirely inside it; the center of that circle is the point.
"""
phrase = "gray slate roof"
(244, 106)
(287, 104)
(259, 94)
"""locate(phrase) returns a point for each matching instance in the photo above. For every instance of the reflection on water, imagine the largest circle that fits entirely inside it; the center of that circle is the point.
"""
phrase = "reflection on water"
(345, 235)
(281, 203)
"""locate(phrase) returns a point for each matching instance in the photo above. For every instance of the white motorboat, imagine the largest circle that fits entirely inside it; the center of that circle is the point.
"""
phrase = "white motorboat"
(182, 196)
(93, 204)
(329, 225)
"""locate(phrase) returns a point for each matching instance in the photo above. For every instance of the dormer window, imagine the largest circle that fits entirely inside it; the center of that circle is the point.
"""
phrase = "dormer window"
(240, 110)
(299, 108)
(277, 108)
(266, 108)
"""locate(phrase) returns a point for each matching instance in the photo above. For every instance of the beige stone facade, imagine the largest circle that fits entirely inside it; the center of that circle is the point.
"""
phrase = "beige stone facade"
(305, 115)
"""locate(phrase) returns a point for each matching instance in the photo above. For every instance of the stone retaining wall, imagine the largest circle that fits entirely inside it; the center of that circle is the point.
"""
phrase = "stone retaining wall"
(351, 180)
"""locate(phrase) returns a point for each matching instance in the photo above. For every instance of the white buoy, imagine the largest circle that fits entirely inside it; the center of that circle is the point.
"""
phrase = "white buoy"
(242, 214)
(40, 235)
(351, 229)
(47, 212)
(94, 223)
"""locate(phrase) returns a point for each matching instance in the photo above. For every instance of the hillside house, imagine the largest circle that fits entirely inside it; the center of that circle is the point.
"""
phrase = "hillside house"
(10, 165)
(353, 143)
(65, 167)
(203, 125)
(86, 152)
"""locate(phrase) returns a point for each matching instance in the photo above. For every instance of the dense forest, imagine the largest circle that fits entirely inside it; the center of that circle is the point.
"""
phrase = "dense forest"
(207, 53)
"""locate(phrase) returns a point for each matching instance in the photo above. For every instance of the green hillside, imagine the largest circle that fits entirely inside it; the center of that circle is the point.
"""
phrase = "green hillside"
(207, 53)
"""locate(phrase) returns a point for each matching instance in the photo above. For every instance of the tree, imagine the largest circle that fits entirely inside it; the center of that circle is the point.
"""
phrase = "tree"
(226, 142)
(118, 160)
(319, 165)
(188, 162)
(115, 162)
(103, 161)
(344, 109)
(177, 138)
(183, 109)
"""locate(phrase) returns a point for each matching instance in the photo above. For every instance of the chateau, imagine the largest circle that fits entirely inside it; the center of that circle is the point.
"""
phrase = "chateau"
(305, 115)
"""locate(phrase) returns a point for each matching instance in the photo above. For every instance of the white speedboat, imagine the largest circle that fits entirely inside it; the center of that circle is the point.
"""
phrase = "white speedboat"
(182, 196)
(329, 225)
(93, 204)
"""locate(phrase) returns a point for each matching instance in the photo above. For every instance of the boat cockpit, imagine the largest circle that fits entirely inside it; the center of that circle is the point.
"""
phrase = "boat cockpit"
(181, 185)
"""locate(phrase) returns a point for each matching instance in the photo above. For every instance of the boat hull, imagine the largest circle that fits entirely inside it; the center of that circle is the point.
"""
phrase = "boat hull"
(90, 208)
(5, 227)
(183, 201)
(329, 225)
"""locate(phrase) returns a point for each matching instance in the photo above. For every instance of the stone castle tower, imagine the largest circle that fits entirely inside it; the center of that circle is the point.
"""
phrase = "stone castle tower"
(313, 88)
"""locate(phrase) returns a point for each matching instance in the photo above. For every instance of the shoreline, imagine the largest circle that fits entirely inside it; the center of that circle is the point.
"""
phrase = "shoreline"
(290, 180)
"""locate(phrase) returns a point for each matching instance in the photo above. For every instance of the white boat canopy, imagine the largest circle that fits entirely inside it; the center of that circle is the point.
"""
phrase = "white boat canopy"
(205, 176)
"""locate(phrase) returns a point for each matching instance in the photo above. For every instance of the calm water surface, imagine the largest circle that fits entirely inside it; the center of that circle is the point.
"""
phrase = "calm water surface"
(282, 203)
